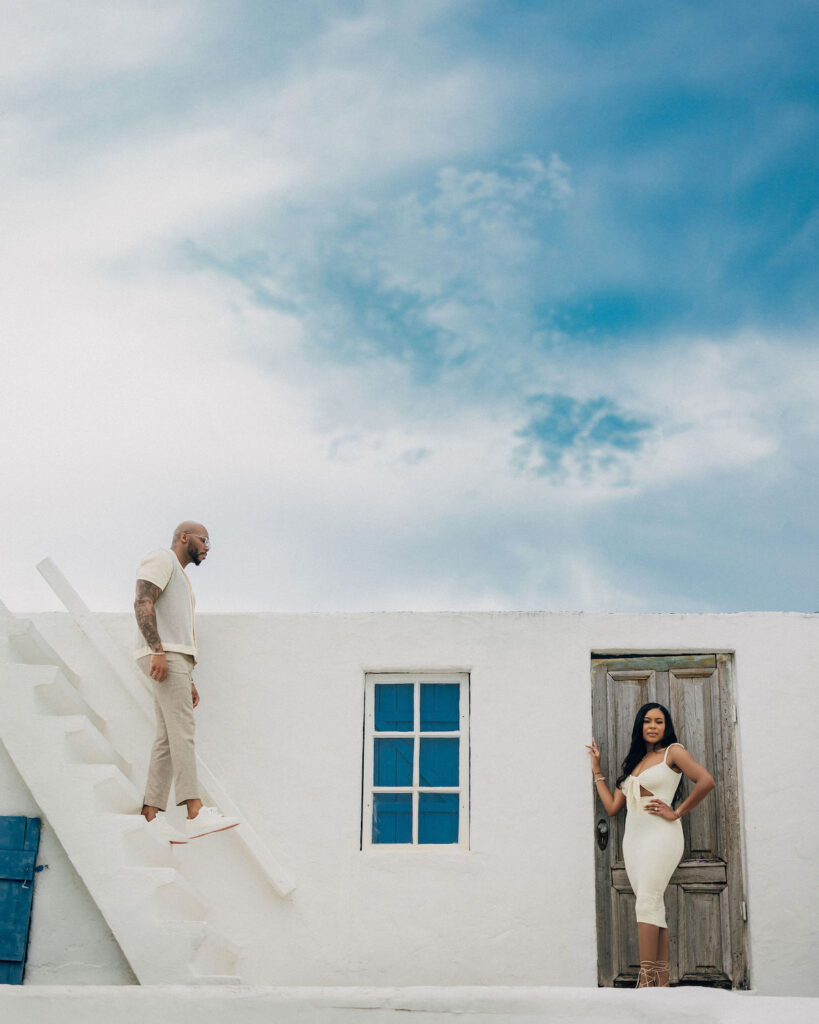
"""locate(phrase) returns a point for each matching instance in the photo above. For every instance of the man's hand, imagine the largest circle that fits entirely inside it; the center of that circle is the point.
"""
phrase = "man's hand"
(159, 667)
(194, 694)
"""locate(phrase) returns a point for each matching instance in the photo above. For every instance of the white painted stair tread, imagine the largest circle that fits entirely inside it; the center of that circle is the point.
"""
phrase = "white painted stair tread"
(46, 691)
(155, 914)
(81, 742)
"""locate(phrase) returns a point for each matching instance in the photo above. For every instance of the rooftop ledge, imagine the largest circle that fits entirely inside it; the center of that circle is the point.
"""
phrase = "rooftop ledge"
(56, 1004)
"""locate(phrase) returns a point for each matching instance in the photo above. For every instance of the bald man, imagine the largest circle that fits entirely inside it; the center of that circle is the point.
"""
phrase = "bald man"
(166, 652)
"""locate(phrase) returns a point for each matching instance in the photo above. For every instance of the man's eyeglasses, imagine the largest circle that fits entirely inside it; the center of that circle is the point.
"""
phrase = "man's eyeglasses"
(205, 540)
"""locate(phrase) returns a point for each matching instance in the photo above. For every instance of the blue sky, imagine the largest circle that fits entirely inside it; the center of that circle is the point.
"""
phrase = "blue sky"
(426, 305)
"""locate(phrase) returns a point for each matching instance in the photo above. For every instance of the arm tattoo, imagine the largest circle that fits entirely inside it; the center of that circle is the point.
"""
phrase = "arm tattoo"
(146, 597)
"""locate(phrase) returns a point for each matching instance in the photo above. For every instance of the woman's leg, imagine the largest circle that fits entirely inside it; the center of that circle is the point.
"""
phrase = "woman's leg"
(648, 937)
(662, 958)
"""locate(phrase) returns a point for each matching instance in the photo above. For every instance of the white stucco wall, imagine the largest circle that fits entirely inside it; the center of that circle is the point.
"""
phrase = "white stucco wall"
(281, 724)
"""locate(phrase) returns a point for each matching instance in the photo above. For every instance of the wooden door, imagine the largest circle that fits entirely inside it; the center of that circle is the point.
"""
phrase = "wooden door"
(19, 842)
(705, 905)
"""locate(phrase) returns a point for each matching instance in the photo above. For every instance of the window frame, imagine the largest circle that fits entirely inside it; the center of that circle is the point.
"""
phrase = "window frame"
(373, 679)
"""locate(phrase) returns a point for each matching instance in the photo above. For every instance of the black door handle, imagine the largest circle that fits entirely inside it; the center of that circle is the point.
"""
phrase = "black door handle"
(602, 833)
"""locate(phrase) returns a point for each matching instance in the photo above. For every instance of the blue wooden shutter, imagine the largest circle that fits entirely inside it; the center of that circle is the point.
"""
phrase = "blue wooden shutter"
(19, 841)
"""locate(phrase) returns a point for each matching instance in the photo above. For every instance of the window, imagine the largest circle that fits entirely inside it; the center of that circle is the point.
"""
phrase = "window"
(416, 760)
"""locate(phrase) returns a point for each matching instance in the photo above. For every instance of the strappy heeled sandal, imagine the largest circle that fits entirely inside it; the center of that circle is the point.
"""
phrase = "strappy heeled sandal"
(647, 975)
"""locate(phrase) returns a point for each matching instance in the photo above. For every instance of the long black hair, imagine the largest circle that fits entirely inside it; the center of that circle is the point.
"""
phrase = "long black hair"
(637, 750)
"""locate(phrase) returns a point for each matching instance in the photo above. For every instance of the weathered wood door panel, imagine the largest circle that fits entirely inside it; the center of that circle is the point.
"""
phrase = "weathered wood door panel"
(704, 901)
(19, 842)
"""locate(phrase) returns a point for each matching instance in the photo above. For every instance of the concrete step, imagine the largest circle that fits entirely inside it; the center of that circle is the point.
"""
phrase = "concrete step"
(215, 957)
(112, 791)
(165, 893)
(67, 745)
(8, 655)
(209, 953)
(43, 690)
(168, 952)
(28, 646)
(82, 742)
(142, 847)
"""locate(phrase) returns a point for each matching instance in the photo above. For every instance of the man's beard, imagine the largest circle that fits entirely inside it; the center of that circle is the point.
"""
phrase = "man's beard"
(194, 554)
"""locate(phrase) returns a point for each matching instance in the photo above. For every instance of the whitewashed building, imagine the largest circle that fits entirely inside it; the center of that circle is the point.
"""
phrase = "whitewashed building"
(417, 803)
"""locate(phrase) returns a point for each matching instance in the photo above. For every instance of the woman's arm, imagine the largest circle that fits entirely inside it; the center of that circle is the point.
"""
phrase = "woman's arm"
(612, 803)
(702, 779)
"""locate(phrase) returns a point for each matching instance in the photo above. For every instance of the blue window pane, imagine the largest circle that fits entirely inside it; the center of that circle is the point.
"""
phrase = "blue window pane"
(438, 818)
(439, 762)
(439, 707)
(392, 763)
(392, 817)
(393, 707)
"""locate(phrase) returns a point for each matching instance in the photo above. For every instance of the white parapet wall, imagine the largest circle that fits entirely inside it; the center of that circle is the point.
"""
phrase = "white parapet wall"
(281, 723)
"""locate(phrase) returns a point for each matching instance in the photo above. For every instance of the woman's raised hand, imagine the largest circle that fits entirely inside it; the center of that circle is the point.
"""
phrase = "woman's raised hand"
(594, 754)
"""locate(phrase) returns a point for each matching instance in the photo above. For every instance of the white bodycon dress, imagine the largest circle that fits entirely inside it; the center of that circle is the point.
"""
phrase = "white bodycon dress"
(652, 846)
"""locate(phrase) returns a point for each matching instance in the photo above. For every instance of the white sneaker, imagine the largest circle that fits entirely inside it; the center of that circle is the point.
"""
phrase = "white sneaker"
(209, 819)
(163, 827)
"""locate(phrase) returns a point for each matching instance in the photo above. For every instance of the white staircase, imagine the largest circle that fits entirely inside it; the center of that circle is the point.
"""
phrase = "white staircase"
(82, 785)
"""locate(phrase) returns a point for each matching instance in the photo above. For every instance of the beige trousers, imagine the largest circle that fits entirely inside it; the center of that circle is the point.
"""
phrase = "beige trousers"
(173, 757)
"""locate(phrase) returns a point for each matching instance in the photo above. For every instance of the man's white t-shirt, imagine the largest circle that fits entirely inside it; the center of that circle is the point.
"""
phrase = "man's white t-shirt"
(174, 606)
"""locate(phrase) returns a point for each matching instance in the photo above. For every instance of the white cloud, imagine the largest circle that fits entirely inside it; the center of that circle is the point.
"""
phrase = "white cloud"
(476, 231)
(721, 403)
(68, 44)
(348, 112)
(130, 391)
(308, 474)
(136, 393)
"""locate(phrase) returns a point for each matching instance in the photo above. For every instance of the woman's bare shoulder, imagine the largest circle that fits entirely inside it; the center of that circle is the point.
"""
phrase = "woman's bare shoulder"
(674, 753)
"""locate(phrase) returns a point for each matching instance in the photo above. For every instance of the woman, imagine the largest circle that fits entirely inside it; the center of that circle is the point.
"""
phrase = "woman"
(653, 840)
